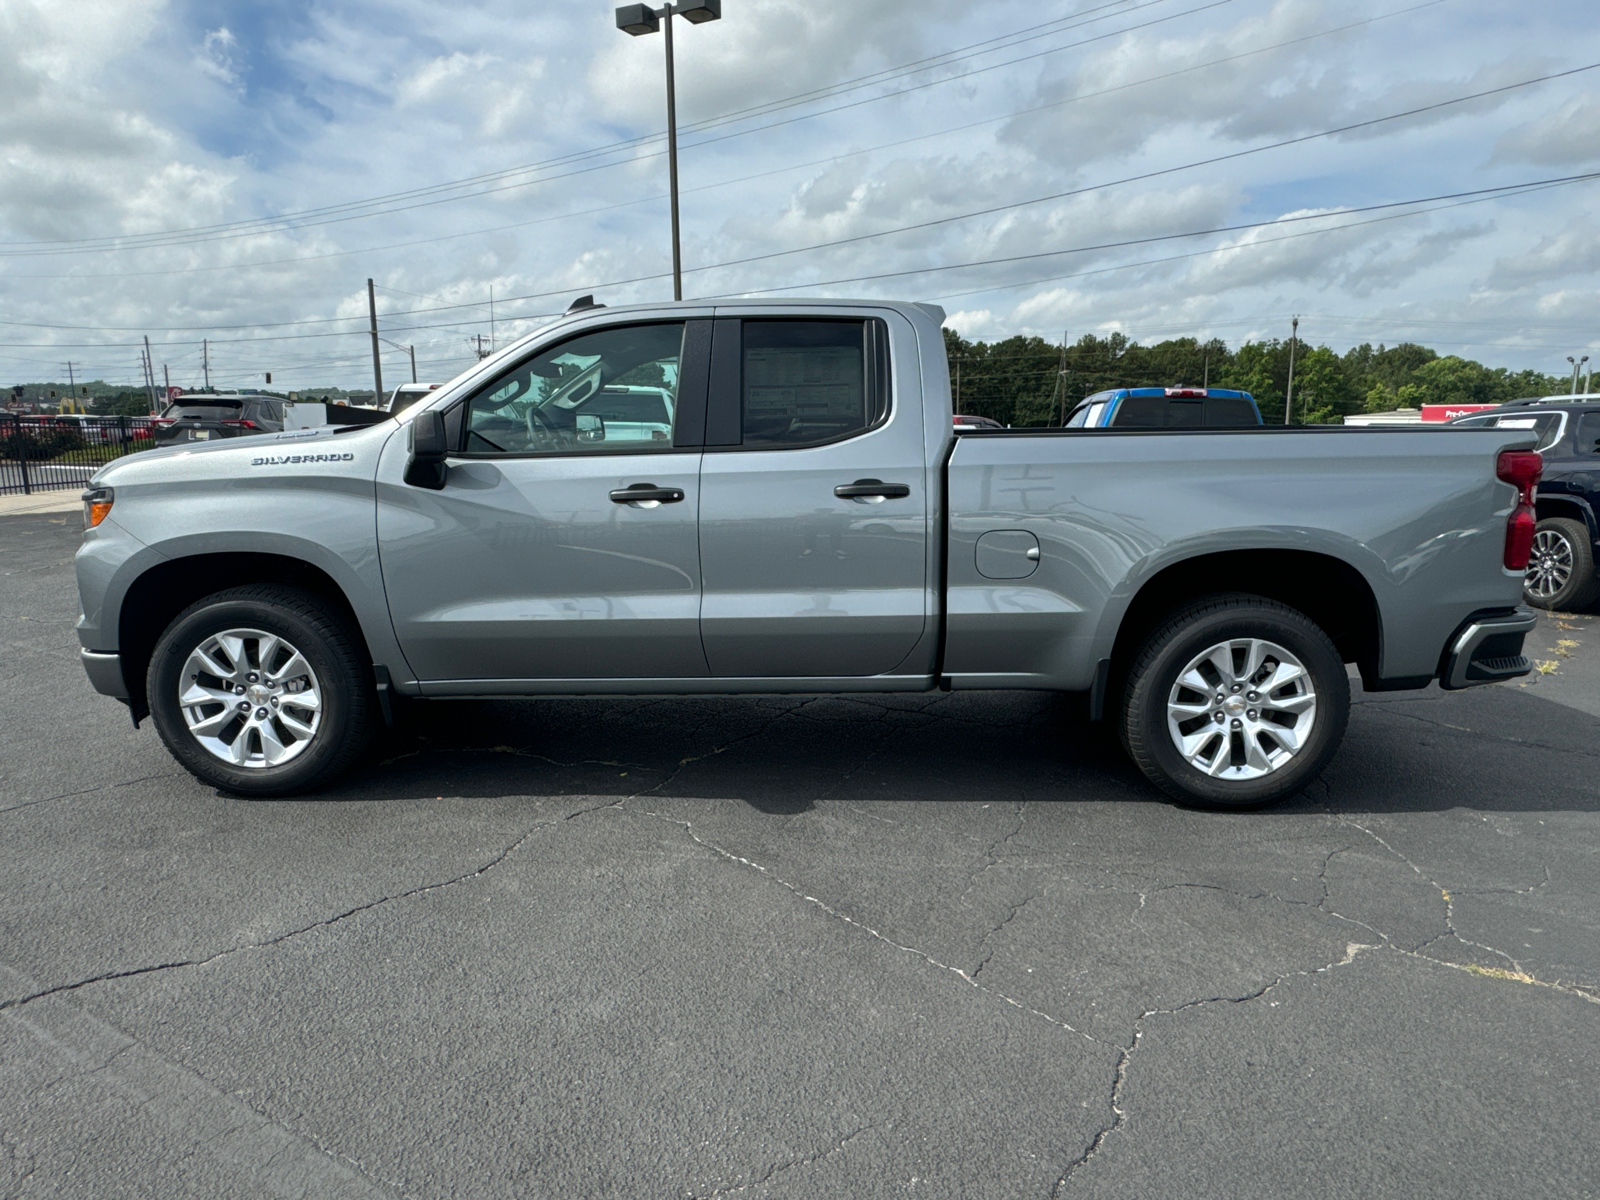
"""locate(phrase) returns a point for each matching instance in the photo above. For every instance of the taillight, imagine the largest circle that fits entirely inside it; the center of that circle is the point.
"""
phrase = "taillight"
(240, 424)
(1188, 393)
(163, 420)
(1521, 469)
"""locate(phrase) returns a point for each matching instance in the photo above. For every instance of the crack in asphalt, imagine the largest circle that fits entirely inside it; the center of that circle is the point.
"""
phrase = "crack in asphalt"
(1015, 909)
(91, 791)
(846, 918)
(990, 855)
(1517, 971)
(777, 1169)
(1492, 737)
(423, 889)
(684, 763)
(1125, 1057)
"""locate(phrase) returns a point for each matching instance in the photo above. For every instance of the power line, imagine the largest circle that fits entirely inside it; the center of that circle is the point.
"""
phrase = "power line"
(1485, 193)
(1147, 175)
(298, 219)
(1456, 198)
(990, 211)
(1009, 116)
(1240, 246)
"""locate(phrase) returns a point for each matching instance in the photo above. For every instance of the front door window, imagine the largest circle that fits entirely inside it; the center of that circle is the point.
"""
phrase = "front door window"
(614, 391)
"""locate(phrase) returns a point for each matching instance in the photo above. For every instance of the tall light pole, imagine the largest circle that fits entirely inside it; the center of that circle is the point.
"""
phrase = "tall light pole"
(1288, 392)
(1577, 366)
(640, 19)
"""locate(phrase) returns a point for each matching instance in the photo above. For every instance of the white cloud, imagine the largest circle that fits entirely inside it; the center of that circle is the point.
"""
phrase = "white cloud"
(265, 112)
(214, 56)
(1567, 137)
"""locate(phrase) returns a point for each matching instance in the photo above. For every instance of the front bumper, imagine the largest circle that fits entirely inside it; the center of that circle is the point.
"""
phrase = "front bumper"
(1488, 649)
(105, 673)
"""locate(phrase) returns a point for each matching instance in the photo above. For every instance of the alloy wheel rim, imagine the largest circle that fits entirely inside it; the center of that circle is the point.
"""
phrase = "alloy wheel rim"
(1550, 564)
(1241, 709)
(250, 698)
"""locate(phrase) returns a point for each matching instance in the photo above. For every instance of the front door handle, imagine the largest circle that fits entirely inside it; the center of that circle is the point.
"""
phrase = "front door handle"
(867, 489)
(647, 493)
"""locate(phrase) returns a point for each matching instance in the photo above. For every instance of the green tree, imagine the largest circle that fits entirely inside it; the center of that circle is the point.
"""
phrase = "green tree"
(123, 404)
(1323, 392)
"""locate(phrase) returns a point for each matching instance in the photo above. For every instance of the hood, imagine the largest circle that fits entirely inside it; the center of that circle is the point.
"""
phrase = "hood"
(226, 454)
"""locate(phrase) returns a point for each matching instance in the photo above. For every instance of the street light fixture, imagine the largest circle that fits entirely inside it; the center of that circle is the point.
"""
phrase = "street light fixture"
(640, 19)
(1577, 366)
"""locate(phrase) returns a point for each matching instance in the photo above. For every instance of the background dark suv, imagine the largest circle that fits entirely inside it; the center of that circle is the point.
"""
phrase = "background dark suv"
(1561, 573)
(203, 417)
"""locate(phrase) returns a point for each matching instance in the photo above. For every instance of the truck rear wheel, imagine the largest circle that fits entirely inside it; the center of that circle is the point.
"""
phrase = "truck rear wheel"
(261, 691)
(1235, 702)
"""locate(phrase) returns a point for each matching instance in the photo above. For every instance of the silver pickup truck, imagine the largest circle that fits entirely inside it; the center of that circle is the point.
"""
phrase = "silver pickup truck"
(771, 498)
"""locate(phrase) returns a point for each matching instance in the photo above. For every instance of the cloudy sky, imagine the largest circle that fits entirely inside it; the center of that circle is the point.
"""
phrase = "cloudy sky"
(232, 171)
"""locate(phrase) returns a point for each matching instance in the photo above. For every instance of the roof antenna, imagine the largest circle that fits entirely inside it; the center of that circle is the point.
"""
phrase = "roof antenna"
(583, 302)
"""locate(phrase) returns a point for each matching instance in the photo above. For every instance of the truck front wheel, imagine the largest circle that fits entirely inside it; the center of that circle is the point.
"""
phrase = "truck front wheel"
(1235, 702)
(261, 691)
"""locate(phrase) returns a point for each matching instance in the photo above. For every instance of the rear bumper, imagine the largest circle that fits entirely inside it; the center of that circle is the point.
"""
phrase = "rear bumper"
(105, 673)
(1487, 649)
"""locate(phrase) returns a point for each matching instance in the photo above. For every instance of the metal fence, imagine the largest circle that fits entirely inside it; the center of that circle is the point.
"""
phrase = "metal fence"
(59, 453)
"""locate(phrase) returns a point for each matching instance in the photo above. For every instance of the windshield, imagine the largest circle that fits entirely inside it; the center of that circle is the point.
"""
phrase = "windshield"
(208, 409)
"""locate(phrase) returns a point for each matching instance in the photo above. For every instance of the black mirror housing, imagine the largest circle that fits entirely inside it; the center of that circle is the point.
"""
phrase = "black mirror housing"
(426, 467)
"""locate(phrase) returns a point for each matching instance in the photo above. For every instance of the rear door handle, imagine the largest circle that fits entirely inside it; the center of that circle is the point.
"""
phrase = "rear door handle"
(648, 493)
(863, 489)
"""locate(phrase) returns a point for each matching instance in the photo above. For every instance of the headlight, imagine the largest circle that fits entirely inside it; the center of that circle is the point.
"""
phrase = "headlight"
(96, 506)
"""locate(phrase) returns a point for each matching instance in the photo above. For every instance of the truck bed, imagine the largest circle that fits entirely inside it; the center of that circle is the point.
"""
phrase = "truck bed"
(1417, 515)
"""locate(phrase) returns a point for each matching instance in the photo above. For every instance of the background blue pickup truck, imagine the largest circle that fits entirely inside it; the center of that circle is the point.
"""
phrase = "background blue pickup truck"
(1165, 408)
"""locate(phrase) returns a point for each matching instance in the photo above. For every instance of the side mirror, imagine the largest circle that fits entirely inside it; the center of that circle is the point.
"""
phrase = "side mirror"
(590, 428)
(426, 467)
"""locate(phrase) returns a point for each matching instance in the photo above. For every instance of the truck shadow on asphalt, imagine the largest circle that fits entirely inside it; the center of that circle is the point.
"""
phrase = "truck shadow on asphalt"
(1494, 749)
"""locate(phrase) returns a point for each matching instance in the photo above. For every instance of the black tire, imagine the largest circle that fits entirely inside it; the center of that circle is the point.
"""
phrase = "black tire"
(1566, 543)
(1169, 650)
(326, 642)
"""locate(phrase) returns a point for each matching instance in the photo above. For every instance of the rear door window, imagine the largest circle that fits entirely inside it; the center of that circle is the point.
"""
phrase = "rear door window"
(1589, 433)
(809, 382)
(1228, 412)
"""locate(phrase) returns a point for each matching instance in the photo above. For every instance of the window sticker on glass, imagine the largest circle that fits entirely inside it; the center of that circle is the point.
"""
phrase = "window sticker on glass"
(806, 382)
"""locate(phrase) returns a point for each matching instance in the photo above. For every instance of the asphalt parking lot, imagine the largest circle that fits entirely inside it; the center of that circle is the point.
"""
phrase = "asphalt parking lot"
(930, 946)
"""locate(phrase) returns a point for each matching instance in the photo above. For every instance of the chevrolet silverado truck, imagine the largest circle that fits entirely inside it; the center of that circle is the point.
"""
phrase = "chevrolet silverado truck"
(771, 498)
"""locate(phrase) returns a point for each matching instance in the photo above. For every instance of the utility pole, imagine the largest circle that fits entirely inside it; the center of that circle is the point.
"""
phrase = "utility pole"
(491, 327)
(482, 353)
(1061, 379)
(150, 373)
(1205, 378)
(1288, 395)
(205, 360)
(166, 382)
(72, 386)
(377, 365)
(412, 350)
(637, 19)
